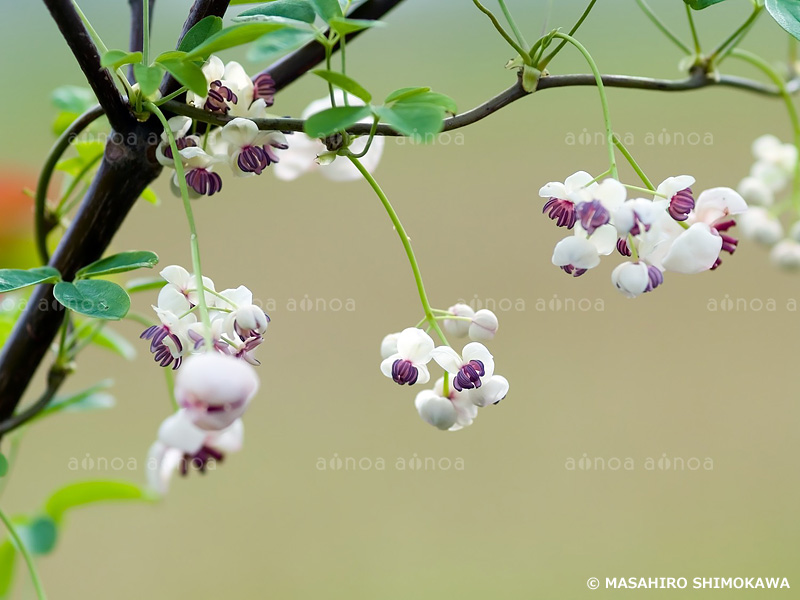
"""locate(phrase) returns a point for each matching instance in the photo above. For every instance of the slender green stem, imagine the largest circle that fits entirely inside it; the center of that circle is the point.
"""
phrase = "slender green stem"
(520, 50)
(792, 55)
(369, 140)
(187, 206)
(578, 23)
(404, 239)
(646, 190)
(612, 162)
(74, 184)
(513, 24)
(146, 32)
(735, 38)
(101, 47)
(762, 65)
(695, 39)
(328, 51)
(626, 153)
(171, 96)
(220, 296)
(632, 247)
(662, 27)
(37, 583)
(170, 380)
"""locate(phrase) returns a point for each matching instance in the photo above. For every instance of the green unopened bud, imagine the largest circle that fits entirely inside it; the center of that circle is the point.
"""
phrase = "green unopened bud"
(530, 78)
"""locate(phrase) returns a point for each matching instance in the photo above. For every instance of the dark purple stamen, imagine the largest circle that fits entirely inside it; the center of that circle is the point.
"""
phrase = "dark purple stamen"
(403, 372)
(253, 159)
(656, 278)
(574, 271)
(200, 459)
(592, 215)
(469, 376)
(162, 354)
(181, 143)
(622, 247)
(561, 211)
(264, 88)
(204, 182)
(729, 243)
(218, 98)
(681, 204)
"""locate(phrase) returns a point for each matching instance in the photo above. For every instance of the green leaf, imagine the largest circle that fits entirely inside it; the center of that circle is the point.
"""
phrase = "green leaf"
(94, 298)
(144, 284)
(92, 398)
(88, 151)
(117, 58)
(269, 47)
(419, 120)
(327, 9)
(119, 263)
(189, 74)
(344, 26)
(235, 35)
(701, 4)
(406, 92)
(88, 492)
(149, 78)
(344, 82)
(71, 98)
(331, 120)
(8, 554)
(3, 465)
(39, 535)
(434, 98)
(148, 195)
(787, 14)
(14, 279)
(199, 33)
(297, 10)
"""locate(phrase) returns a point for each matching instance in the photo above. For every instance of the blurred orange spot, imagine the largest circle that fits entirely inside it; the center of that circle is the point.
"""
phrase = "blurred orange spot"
(16, 208)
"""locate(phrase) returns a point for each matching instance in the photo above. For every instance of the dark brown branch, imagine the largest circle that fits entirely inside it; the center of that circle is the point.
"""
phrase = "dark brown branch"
(296, 64)
(696, 81)
(82, 46)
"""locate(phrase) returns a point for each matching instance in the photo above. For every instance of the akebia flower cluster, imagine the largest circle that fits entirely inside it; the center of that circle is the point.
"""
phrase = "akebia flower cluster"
(239, 145)
(672, 231)
(765, 189)
(213, 391)
(469, 381)
(237, 325)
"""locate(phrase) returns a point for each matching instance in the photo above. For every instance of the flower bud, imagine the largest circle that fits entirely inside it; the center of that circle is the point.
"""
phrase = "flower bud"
(484, 326)
(786, 255)
(757, 224)
(459, 327)
(435, 410)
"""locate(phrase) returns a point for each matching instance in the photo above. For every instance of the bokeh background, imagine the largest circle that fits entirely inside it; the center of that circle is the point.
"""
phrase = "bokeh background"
(664, 376)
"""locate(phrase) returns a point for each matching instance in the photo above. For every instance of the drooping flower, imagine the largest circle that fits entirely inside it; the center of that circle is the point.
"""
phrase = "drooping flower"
(459, 327)
(678, 194)
(786, 255)
(562, 197)
(231, 91)
(301, 158)
(775, 161)
(475, 364)
(758, 224)
(249, 149)
(578, 253)
(199, 173)
(409, 364)
(182, 445)
(179, 126)
(185, 283)
(246, 320)
(483, 326)
(756, 192)
(169, 341)
(453, 412)
(633, 279)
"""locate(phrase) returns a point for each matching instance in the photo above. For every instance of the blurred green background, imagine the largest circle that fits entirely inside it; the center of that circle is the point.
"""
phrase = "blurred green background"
(661, 375)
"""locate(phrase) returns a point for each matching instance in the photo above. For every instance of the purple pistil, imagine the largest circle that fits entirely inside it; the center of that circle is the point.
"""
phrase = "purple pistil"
(729, 243)
(656, 278)
(404, 372)
(561, 211)
(204, 182)
(253, 159)
(573, 270)
(181, 143)
(592, 215)
(469, 376)
(681, 204)
(622, 247)
(200, 459)
(264, 88)
(218, 98)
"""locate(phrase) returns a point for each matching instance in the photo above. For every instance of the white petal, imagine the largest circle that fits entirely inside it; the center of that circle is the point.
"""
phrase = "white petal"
(694, 251)
(755, 191)
(415, 345)
(717, 203)
(176, 275)
(388, 362)
(230, 439)
(759, 225)
(178, 431)
(604, 239)
(171, 299)
(771, 174)
(672, 185)
(389, 345)
(491, 391)
(162, 461)
(576, 251)
(435, 410)
(458, 327)
(611, 194)
(484, 326)
(786, 255)
(630, 278)
(466, 410)
(423, 375)
(447, 358)
(240, 133)
(554, 189)
(578, 181)
(213, 68)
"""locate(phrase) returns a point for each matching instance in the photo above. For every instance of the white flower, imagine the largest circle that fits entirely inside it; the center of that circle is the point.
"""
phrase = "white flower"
(459, 327)
(215, 389)
(198, 166)
(182, 444)
(249, 149)
(635, 215)
(301, 157)
(759, 225)
(775, 161)
(633, 279)
(578, 187)
(179, 126)
(493, 390)
(475, 364)
(483, 326)
(232, 91)
(447, 413)
(675, 195)
(607, 197)
(694, 251)
(786, 255)
(246, 320)
(181, 280)
(576, 254)
(169, 341)
(755, 191)
(409, 364)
